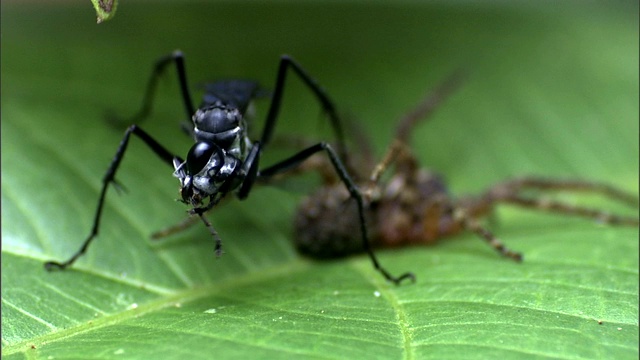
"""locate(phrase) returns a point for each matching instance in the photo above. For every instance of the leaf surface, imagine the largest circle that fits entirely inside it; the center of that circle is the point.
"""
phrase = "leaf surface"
(553, 92)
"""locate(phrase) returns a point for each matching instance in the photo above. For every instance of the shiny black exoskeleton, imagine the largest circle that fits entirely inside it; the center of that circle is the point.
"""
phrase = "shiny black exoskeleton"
(216, 163)
(223, 158)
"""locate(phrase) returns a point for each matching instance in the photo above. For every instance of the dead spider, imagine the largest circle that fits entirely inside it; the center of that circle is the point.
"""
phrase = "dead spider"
(414, 206)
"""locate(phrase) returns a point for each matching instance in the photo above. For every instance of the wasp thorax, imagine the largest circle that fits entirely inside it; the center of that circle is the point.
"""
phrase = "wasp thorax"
(218, 123)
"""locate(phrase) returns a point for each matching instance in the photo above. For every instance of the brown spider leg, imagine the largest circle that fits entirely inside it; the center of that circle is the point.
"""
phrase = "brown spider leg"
(214, 233)
(429, 104)
(605, 190)
(182, 225)
(174, 229)
(508, 193)
(559, 207)
(372, 189)
(462, 216)
(471, 224)
(406, 124)
(389, 158)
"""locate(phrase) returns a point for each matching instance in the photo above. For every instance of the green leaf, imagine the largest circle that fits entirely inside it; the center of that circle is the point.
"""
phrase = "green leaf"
(105, 9)
(553, 92)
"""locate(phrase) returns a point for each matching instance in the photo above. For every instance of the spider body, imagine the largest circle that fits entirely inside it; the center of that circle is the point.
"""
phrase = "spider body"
(414, 206)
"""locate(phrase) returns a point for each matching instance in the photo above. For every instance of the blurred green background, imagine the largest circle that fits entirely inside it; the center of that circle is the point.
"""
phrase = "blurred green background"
(553, 91)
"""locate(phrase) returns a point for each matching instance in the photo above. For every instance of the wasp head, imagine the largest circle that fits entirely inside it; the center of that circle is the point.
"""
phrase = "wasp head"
(208, 172)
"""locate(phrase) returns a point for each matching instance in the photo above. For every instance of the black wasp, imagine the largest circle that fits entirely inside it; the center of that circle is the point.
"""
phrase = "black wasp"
(223, 158)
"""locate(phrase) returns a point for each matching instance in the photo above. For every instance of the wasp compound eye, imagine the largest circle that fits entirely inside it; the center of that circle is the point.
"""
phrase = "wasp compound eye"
(199, 156)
